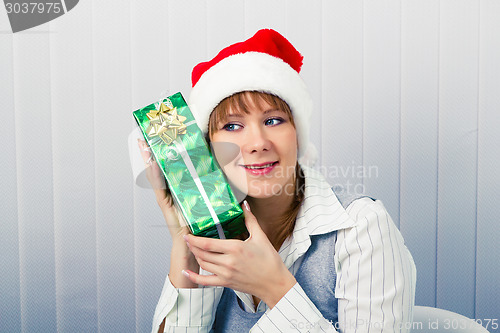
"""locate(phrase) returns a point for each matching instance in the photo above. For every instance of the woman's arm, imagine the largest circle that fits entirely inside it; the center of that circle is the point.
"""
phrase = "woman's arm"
(375, 283)
(181, 258)
(178, 308)
(254, 267)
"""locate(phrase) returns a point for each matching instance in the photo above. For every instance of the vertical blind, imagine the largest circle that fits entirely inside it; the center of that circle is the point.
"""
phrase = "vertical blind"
(407, 109)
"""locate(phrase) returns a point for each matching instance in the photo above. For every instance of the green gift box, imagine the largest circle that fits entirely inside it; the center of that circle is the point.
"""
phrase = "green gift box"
(196, 181)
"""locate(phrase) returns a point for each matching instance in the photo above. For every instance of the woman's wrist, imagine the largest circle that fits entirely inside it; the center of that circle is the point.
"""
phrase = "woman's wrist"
(178, 280)
(181, 259)
(278, 290)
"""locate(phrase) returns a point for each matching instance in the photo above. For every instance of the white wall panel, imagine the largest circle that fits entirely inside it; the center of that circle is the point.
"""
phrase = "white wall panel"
(150, 78)
(342, 93)
(419, 137)
(458, 100)
(303, 24)
(187, 28)
(149, 52)
(73, 170)
(260, 14)
(33, 142)
(224, 25)
(381, 105)
(114, 205)
(488, 211)
(10, 305)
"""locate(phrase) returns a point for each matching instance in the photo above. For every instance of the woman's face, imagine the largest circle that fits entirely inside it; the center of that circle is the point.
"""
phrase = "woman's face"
(267, 140)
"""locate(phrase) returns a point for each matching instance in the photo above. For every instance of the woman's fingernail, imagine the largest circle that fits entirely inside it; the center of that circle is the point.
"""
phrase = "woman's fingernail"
(185, 237)
(245, 203)
(186, 274)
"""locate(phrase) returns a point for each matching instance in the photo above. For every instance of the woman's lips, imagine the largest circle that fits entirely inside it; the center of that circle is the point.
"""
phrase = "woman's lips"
(260, 169)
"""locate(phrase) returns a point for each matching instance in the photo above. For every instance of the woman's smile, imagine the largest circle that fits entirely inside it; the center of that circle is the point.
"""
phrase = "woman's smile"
(260, 168)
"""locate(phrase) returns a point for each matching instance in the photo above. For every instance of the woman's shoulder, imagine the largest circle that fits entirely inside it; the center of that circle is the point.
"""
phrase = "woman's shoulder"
(361, 208)
(346, 197)
(356, 205)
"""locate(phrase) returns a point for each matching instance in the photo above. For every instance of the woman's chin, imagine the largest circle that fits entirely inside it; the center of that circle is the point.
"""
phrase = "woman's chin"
(243, 185)
(265, 191)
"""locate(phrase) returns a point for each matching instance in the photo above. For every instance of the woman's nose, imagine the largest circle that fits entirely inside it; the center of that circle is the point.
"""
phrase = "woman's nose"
(257, 140)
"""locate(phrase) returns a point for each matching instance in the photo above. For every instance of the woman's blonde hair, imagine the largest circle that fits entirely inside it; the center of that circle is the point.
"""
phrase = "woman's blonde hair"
(238, 103)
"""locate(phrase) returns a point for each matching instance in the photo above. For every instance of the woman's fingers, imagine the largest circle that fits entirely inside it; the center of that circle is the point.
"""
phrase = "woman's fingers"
(204, 280)
(212, 244)
(163, 197)
(155, 176)
(145, 152)
(209, 257)
(153, 172)
(223, 258)
(212, 268)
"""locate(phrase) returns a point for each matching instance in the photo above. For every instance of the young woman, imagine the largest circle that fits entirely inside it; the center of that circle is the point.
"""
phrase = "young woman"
(315, 260)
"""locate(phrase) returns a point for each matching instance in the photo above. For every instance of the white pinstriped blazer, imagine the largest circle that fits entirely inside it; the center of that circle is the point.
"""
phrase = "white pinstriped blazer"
(375, 284)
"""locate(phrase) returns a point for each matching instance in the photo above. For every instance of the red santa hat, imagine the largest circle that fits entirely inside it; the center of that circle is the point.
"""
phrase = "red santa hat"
(266, 62)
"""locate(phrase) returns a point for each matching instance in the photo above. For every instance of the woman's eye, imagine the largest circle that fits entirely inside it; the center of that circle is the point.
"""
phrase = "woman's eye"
(231, 127)
(273, 121)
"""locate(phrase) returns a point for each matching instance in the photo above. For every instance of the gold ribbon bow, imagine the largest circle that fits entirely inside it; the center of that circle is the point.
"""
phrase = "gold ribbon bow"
(165, 123)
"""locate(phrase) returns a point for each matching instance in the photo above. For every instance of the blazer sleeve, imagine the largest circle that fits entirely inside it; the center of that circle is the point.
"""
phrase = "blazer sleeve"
(376, 275)
(186, 310)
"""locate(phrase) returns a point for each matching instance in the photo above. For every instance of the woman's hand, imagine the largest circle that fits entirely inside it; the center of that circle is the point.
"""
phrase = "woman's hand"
(162, 193)
(181, 257)
(252, 266)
